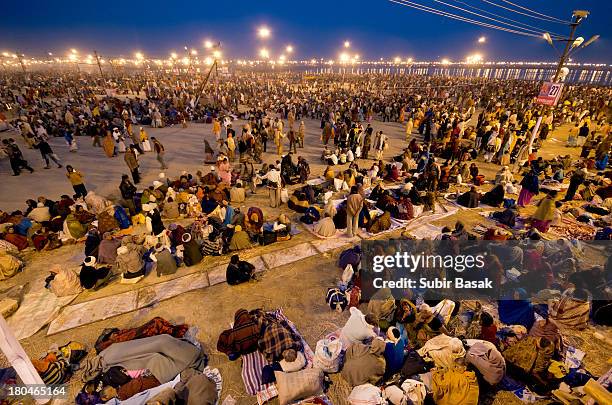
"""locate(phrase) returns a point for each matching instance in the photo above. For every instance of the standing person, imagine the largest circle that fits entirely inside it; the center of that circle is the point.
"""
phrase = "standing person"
(76, 179)
(15, 157)
(128, 191)
(380, 144)
(216, 129)
(367, 142)
(354, 204)
(278, 138)
(144, 140)
(301, 133)
(409, 127)
(231, 147)
(46, 152)
(131, 160)
(293, 141)
(530, 187)
(159, 149)
(247, 174)
(274, 186)
(583, 132)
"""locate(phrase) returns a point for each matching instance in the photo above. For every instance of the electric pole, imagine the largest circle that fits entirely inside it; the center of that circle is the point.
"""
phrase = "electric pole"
(20, 57)
(99, 64)
(578, 16)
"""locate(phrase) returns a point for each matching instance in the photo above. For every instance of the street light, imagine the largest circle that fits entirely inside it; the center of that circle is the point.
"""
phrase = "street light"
(194, 52)
(263, 32)
(289, 49)
(347, 44)
(139, 56)
(173, 55)
(482, 40)
(217, 53)
(397, 60)
(344, 57)
(264, 53)
(208, 44)
(445, 61)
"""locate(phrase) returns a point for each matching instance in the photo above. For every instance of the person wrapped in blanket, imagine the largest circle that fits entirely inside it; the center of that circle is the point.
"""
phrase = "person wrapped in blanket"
(56, 366)
(276, 337)
(242, 337)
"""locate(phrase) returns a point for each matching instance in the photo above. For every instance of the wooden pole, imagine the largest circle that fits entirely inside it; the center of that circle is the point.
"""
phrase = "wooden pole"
(18, 357)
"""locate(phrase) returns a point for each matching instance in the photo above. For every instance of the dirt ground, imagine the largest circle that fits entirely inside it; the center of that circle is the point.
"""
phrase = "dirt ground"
(298, 288)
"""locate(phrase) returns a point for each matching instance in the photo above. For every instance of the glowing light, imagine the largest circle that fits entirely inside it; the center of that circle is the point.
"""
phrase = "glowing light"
(185, 61)
(217, 54)
(194, 52)
(357, 56)
(173, 55)
(139, 55)
(263, 32)
(347, 44)
(208, 60)
(344, 57)
(482, 40)
(409, 60)
(5, 54)
(476, 58)
(445, 61)
(397, 59)
(50, 53)
(74, 51)
(208, 44)
(289, 49)
(264, 53)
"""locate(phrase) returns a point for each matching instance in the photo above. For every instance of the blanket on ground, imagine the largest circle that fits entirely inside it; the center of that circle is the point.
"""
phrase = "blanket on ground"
(164, 355)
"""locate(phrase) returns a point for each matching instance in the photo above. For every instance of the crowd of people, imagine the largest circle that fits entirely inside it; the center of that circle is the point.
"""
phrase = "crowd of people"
(454, 131)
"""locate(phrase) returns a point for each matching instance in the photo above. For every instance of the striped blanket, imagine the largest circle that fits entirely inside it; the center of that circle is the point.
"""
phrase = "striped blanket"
(253, 364)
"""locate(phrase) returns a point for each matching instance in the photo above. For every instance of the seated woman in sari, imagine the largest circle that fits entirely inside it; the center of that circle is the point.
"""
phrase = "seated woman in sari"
(572, 309)
(545, 213)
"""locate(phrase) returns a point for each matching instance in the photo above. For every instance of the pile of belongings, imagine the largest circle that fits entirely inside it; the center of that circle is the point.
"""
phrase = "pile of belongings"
(155, 361)
(57, 366)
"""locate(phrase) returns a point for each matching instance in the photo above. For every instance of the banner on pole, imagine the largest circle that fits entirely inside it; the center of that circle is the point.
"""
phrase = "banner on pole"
(549, 93)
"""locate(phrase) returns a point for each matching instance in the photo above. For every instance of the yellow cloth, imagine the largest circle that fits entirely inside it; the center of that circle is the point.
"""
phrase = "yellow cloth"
(454, 387)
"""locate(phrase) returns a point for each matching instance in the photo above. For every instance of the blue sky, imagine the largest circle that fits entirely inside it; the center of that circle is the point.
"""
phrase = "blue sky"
(376, 28)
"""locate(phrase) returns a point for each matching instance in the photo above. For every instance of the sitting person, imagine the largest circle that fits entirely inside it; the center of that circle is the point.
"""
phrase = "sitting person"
(241, 338)
(276, 337)
(239, 271)
(130, 263)
(171, 208)
(571, 310)
(364, 363)
(191, 250)
(394, 351)
(325, 227)
(329, 174)
(212, 245)
(469, 199)
(240, 239)
(92, 277)
(494, 197)
(405, 209)
(358, 327)
(504, 175)
(380, 223)
(237, 193)
(506, 217)
(165, 262)
(107, 249)
(298, 202)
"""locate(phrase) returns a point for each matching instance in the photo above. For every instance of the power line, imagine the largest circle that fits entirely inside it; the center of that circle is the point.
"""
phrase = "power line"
(539, 31)
(461, 18)
(528, 15)
(535, 12)
(502, 17)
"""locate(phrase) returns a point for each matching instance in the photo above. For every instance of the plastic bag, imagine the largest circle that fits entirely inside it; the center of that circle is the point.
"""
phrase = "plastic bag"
(328, 355)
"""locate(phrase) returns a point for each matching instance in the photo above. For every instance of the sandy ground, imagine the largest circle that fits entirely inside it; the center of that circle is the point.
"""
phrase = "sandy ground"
(298, 288)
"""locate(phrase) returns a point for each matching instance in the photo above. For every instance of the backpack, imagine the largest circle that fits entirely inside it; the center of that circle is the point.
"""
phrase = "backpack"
(336, 299)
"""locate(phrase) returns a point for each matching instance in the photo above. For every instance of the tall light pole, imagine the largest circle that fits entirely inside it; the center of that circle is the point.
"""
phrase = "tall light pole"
(578, 16)
(99, 64)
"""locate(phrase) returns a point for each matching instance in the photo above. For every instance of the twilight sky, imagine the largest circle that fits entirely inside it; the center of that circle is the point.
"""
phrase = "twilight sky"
(316, 28)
